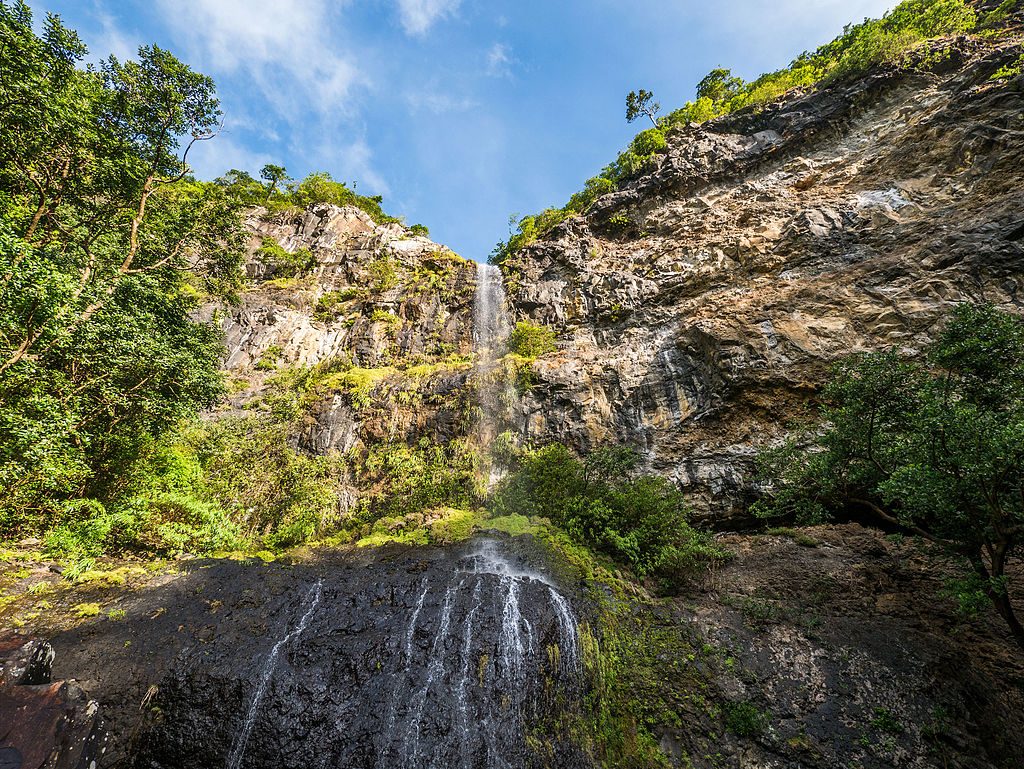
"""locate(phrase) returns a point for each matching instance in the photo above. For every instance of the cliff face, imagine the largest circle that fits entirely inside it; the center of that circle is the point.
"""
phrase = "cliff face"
(390, 308)
(700, 307)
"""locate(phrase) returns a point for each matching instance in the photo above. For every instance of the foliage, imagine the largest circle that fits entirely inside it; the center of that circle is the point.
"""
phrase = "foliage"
(400, 479)
(745, 719)
(640, 103)
(1010, 70)
(530, 340)
(273, 175)
(107, 246)
(285, 264)
(860, 47)
(639, 520)
(933, 446)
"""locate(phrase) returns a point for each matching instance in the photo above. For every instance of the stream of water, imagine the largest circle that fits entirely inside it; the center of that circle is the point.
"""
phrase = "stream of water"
(238, 750)
(491, 328)
(468, 650)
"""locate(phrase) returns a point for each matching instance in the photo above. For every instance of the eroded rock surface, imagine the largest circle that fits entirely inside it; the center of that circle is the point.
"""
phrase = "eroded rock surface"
(700, 306)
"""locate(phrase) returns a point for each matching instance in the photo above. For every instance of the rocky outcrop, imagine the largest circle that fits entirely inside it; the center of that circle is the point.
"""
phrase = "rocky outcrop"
(701, 306)
(391, 308)
(44, 724)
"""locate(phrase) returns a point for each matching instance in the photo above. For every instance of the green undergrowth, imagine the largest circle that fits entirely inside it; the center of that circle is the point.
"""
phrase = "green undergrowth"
(860, 47)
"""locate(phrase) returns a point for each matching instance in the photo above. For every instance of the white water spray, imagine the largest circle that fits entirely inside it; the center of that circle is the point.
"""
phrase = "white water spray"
(501, 592)
(491, 328)
(238, 751)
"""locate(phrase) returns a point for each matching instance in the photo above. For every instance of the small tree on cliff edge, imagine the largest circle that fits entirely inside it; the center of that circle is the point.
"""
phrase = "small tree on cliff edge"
(934, 447)
(273, 175)
(640, 103)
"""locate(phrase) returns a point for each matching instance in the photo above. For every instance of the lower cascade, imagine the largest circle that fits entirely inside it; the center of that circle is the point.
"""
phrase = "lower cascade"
(450, 662)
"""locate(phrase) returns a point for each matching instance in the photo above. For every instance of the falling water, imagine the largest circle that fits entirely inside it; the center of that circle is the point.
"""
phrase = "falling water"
(238, 751)
(491, 328)
(499, 649)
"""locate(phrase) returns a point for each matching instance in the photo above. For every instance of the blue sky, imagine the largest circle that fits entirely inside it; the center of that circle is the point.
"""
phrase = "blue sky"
(459, 112)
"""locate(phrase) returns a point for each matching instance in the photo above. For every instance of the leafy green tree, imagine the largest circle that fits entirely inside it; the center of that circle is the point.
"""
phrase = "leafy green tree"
(639, 103)
(637, 519)
(273, 175)
(107, 247)
(934, 447)
(719, 85)
(241, 186)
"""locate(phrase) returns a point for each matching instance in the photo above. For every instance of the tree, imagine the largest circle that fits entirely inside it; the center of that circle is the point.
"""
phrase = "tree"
(934, 447)
(107, 247)
(273, 175)
(719, 85)
(640, 103)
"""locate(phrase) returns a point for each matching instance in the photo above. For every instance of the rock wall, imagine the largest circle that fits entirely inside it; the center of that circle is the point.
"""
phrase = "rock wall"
(392, 306)
(701, 306)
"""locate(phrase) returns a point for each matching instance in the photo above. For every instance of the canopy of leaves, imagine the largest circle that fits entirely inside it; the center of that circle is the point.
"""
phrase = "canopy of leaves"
(107, 247)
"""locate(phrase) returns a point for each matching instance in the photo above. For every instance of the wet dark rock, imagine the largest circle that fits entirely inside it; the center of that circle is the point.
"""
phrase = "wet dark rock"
(44, 724)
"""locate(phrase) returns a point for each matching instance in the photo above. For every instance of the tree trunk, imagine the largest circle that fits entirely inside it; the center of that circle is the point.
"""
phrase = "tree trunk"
(999, 599)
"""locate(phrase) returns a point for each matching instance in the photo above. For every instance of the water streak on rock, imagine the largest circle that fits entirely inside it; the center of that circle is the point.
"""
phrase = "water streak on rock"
(238, 751)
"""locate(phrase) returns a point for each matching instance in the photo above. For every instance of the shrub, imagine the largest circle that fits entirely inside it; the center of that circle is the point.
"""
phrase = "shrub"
(530, 340)
(745, 719)
(639, 520)
(269, 358)
(319, 187)
(285, 264)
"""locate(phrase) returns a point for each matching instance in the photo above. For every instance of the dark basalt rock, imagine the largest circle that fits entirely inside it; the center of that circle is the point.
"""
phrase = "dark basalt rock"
(43, 724)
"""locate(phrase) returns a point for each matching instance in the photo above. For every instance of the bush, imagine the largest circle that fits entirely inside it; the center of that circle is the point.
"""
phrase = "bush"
(285, 264)
(638, 520)
(319, 187)
(531, 340)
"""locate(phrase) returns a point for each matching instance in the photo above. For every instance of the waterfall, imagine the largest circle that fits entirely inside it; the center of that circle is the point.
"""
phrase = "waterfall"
(462, 699)
(238, 751)
(491, 328)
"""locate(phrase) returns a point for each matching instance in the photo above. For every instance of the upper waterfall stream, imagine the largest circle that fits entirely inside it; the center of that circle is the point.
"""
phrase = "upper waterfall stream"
(491, 328)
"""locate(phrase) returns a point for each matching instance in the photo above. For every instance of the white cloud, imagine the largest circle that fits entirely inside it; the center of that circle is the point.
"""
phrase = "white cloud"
(499, 61)
(284, 47)
(418, 16)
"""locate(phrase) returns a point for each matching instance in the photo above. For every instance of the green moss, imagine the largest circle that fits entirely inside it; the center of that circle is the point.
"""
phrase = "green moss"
(84, 610)
(794, 534)
(454, 526)
(530, 340)
(514, 524)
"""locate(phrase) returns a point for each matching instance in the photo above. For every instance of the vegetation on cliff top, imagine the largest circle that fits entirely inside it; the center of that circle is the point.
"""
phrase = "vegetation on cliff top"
(282, 193)
(860, 47)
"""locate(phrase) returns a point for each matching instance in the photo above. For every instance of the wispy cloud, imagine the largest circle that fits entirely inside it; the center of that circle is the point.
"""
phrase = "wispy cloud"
(112, 39)
(438, 102)
(283, 46)
(418, 16)
(500, 61)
